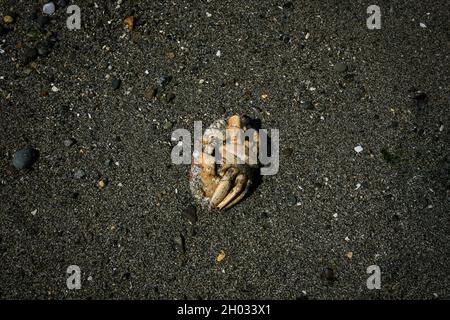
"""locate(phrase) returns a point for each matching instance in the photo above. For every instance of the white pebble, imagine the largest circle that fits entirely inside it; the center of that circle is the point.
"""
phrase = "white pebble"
(209, 15)
(218, 53)
(358, 185)
(335, 215)
(441, 128)
(55, 89)
(359, 149)
(34, 212)
(90, 278)
(347, 239)
(422, 25)
(48, 8)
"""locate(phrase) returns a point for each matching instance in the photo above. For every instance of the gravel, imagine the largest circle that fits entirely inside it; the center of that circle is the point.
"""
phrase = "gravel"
(25, 158)
(274, 250)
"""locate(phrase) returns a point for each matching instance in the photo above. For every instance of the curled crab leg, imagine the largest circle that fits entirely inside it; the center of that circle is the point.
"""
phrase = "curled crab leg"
(239, 197)
(240, 181)
(223, 187)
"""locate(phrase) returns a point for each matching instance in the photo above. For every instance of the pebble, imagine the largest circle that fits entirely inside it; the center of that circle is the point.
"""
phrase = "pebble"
(307, 105)
(116, 83)
(179, 244)
(329, 274)
(164, 80)
(25, 158)
(48, 8)
(190, 213)
(358, 149)
(43, 49)
(69, 142)
(102, 183)
(151, 93)
(43, 21)
(8, 19)
(340, 67)
(220, 256)
(288, 6)
(79, 174)
(292, 200)
(30, 54)
(168, 125)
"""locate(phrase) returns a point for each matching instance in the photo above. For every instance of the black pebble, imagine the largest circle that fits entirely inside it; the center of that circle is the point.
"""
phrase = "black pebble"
(340, 67)
(30, 54)
(190, 213)
(329, 274)
(288, 6)
(43, 21)
(307, 105)
(25, 158)
(43, 49)
(116, 83)
(292, 200)
(164, 80)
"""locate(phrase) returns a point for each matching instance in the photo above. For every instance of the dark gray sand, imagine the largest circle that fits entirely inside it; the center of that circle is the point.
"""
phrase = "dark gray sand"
(292, 237)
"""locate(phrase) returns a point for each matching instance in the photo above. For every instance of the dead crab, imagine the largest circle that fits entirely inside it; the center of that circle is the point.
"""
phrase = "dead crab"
(222, 172)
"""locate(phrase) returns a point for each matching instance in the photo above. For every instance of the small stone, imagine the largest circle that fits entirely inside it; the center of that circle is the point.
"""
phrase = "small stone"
(288, 152)
(168, 125)
(190, 213)
(170, 55)
(108, 162)
(170, 96)
(25, 158)
(292, 200)
(422, 25)
(116, 83)
(69, 142)
(329, 274)
(102, 183)
(349, 255)
(8, 19)
(43, 49)
(288, 6)
(33, 213)
(48, 8)
(129, 23)
(164, 80)
(30, 54)
(43, 21)
(179, 244)
(151, 93)
(358, 149)
(340, 67)
(79, 174)
(220, 256)
(307, 105)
